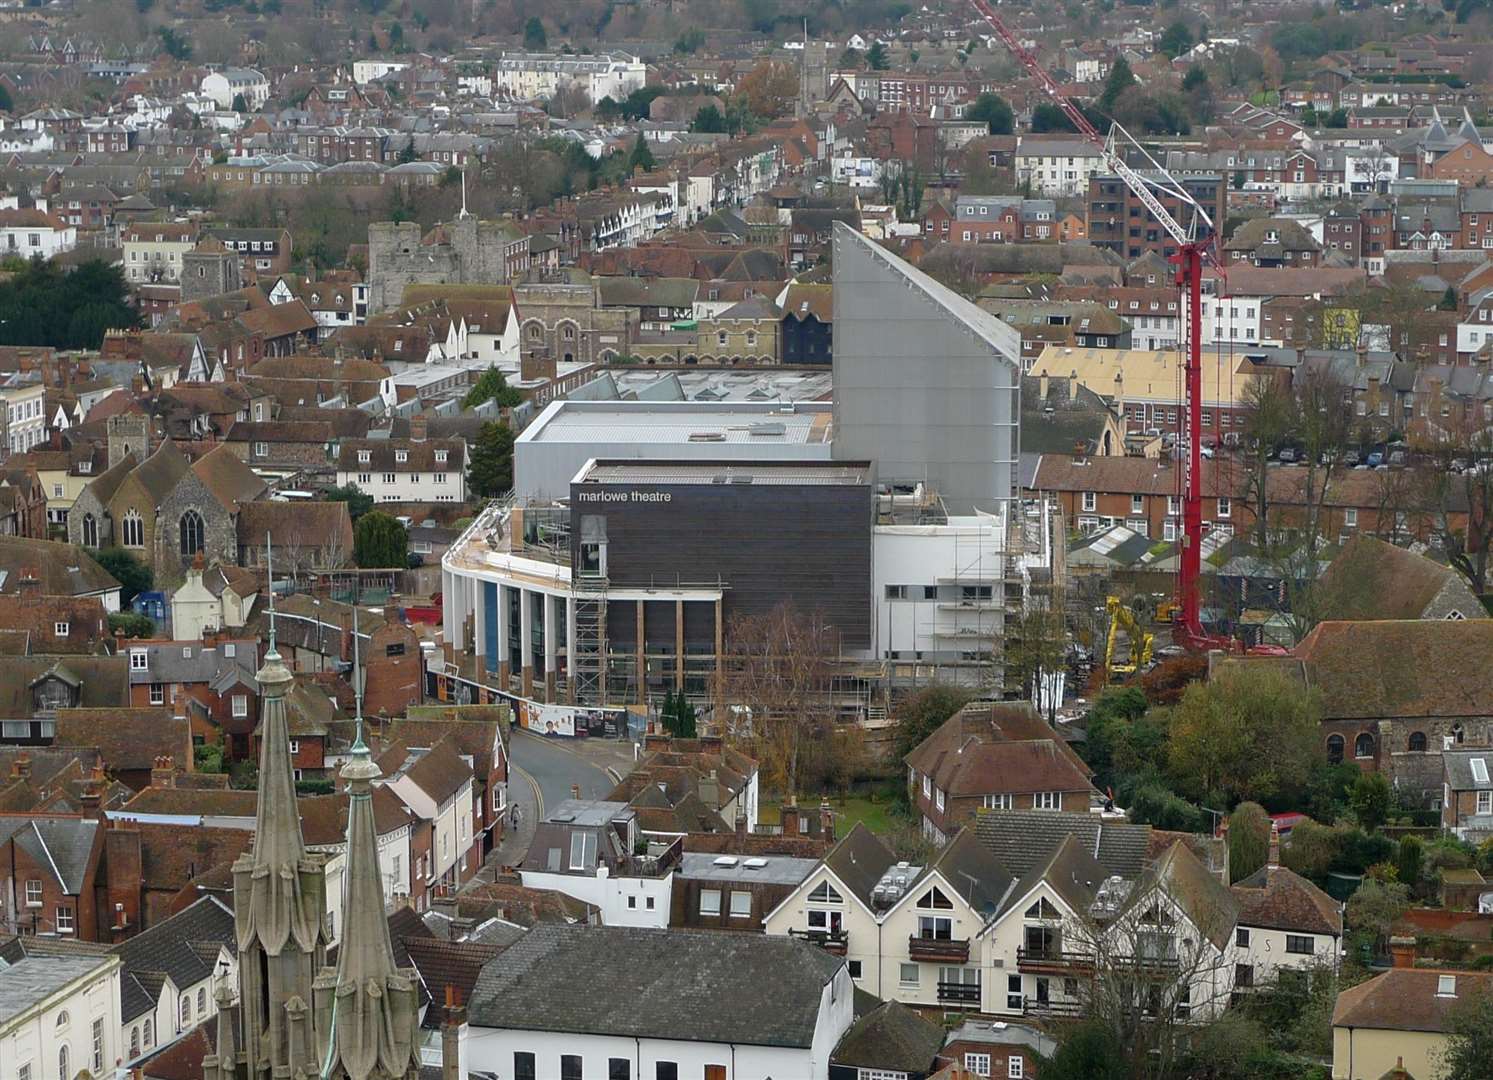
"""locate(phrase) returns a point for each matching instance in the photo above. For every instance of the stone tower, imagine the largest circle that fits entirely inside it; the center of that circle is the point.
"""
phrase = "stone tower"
(129, 433)
(209, 269)
(279, 910)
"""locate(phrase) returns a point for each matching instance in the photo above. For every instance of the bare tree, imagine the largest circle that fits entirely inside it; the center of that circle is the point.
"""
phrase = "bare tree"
(1457, 489)
(778, 677)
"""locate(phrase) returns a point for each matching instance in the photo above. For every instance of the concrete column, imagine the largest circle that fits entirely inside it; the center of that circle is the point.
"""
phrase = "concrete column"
(549, 644)
(526, 641)
(642, 661)
(569, 601)
(479, 631)
(502, 621)
(678, 644)
(720, 669)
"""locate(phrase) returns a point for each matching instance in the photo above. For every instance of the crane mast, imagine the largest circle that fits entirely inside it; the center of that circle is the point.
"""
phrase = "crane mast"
(1193, 249)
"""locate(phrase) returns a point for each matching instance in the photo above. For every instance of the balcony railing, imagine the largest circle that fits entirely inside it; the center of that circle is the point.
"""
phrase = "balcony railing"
(950, 993)
(1030, 1006)
(833, 941)
(1052, 961)
(948, 950)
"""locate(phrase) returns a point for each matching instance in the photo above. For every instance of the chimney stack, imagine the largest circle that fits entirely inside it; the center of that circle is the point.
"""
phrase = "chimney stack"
(826, 820)
(163, 774)
(20, 769)
(1273, 860)
(453, 1037)
(419, 428)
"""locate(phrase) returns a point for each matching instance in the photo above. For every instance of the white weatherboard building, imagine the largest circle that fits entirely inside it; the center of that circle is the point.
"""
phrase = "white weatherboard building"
(532, 76)
(619, 1001)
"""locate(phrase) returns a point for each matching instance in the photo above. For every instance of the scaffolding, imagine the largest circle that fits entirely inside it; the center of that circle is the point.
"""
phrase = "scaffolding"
(590, 660)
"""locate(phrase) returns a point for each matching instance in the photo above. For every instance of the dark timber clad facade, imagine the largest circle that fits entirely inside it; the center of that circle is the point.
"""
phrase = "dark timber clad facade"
(765, 533)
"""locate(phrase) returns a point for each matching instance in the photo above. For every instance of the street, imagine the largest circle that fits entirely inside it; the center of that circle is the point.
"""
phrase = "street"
(542, 773)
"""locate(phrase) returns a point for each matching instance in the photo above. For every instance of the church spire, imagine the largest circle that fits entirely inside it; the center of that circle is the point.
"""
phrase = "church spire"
(367, 1010)
(279, 894)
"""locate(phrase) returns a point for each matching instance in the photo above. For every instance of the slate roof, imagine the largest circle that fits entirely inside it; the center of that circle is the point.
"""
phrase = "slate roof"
(183, 948)
(1405, 999)
(36, 978)
(691, 985)
(1400, 668)
(859, 860)
(65, 844)
(1180, 876)
(1024, 839)
(1276, 898)
(972, 872)
(1070, 870)
(1458, 765)
(891, 1037)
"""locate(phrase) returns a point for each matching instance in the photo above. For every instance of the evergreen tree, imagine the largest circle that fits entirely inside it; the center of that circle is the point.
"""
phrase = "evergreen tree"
(877, 58)
(1121, 78)
(492, 386)
(491, 471)
(535, 39)
(993, 109)
(641, 157)
(380, 541)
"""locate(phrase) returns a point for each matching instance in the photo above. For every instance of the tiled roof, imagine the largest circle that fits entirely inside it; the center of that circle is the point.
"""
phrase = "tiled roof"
(102, 681)
(128, 739)
(64, 570)
(440, 772)
(1372, 579)
(317, 525)
(890, 1037)
(1400, 668)
(419, 456)
(1407, 999)
(224, 474)
(696, 985)
(1275, 898)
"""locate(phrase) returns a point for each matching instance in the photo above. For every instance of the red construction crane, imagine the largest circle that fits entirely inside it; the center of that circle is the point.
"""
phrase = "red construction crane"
(1194, 248)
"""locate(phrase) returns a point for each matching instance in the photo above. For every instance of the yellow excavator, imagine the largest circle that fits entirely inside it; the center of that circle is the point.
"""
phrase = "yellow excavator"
(1121, 618)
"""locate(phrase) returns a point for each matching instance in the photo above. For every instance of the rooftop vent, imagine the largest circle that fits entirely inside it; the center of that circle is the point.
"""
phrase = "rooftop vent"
(707, 436)
(726, 860)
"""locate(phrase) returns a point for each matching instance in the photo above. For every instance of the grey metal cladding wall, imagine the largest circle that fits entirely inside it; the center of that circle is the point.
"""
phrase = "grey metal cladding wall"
(809, 544)
(926, 384)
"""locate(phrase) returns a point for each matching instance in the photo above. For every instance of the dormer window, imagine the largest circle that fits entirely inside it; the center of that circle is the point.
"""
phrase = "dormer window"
(401, 456)
(364, 457)
(440, 457)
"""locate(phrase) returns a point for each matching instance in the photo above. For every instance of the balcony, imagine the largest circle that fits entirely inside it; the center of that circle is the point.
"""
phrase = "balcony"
(950, 993)
(1051, 1010)
(938, 950)
(1053, 961)
(831, 941)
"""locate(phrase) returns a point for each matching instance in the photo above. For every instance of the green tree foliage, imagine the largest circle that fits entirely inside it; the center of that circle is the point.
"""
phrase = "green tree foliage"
(1469, 1046)
(1048, 117)
(43, 304)
(921, 714)
(535, 39)
(358, 501)
(995, 111)
(6, 104)
(208, 758)
(1373, 909)
(689, 41)
(1370, 800)
(1088, 1050)
(131, 625)
(173, 44)
(876, 57)
(633, 107)
(134, 576)
(491, 471)
(240, 103)
(1322, 34)
(1409, 856)
(1195, 79)
(1121, 78)
(1338, 118)
(1176, 39)
(492, 386)
(1449, 299)
(709, 121)
(1249, 840)
(640, 157)
(1248, 733)
(1312, 850)
(380, 541)
(678, 716)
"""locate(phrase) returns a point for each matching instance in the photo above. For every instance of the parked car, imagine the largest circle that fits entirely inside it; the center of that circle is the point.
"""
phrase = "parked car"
(1289, 455)
(1375, 459)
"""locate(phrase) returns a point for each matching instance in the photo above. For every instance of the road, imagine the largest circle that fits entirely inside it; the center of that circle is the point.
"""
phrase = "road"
(543, 771)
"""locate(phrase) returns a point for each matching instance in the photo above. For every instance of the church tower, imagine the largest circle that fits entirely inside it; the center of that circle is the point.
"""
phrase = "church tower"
(279, 900)
(367, 1010)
